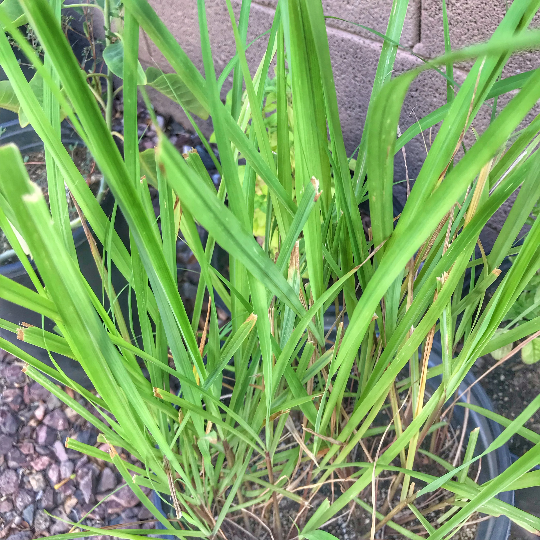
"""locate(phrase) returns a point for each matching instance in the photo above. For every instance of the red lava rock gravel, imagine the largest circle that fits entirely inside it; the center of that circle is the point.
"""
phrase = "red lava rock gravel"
(41, 480)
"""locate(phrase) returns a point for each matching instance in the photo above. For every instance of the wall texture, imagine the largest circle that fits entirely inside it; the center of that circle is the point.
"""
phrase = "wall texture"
(355, 53)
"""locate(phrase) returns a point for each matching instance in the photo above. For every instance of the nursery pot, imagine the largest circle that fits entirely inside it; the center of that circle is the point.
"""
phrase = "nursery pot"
(495, 462)
(492, 465)
(27, 141)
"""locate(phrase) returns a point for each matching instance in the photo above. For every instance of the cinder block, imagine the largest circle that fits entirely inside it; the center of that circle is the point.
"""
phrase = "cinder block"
(470, 21)
(371, 13)
(182, 20)
(183, 24)
(354, 60)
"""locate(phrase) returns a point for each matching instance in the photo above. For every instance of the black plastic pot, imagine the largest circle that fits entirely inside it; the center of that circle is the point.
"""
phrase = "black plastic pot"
(27, 140)
(492, 465)
(495, 462)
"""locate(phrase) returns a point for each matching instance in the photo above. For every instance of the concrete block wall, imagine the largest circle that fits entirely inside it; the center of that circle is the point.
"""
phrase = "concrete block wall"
(355, 53)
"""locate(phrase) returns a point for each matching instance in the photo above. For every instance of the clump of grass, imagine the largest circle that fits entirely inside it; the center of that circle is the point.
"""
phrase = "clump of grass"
(299, 409)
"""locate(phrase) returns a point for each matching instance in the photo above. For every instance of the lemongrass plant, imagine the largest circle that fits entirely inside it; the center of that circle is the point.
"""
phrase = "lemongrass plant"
(301, 408)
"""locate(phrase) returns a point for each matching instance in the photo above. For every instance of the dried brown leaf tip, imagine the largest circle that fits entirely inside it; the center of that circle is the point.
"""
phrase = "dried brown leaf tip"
(443, 278)
(315, 184)
(294, 263)
(20, 334)
(26, 325)
(252, 317)
(496, 272)
(24, 368)
(112, 450)
(67, 442)
(190, 151)
(172, 488)
(157, 393)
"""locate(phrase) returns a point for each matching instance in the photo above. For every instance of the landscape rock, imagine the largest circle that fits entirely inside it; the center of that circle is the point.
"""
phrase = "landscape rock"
(9, 482)
(14, 397)
(53, 474)
(43, 450)
(87, 436)
(56, 420)
(9, 423)
(41, 463)
(59, 527)
(45, 435)
(107, 481)
(46, 502)
(21, 535)
(26, 432)
(81, 462)
(41, 522)
(5, 506)
(27, 448)
(37, 392)
(28, 514)
(16, 459)
(144, 514)
(60, 451)
(39, 413)
(37, 481)
(71, 415)
(70, 503)
(14, 375)
(6, 443)
(64, 491)
(66, 469)
(125, 497)
(85, 478)
(53, 402)
(23, 499)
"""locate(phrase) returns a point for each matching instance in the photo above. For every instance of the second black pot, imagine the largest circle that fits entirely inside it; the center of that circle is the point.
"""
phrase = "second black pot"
(28, 141)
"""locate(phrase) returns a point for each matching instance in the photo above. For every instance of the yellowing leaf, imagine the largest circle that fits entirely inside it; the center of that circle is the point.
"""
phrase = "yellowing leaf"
(172, 86)
(499, 354)
(530, 354)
